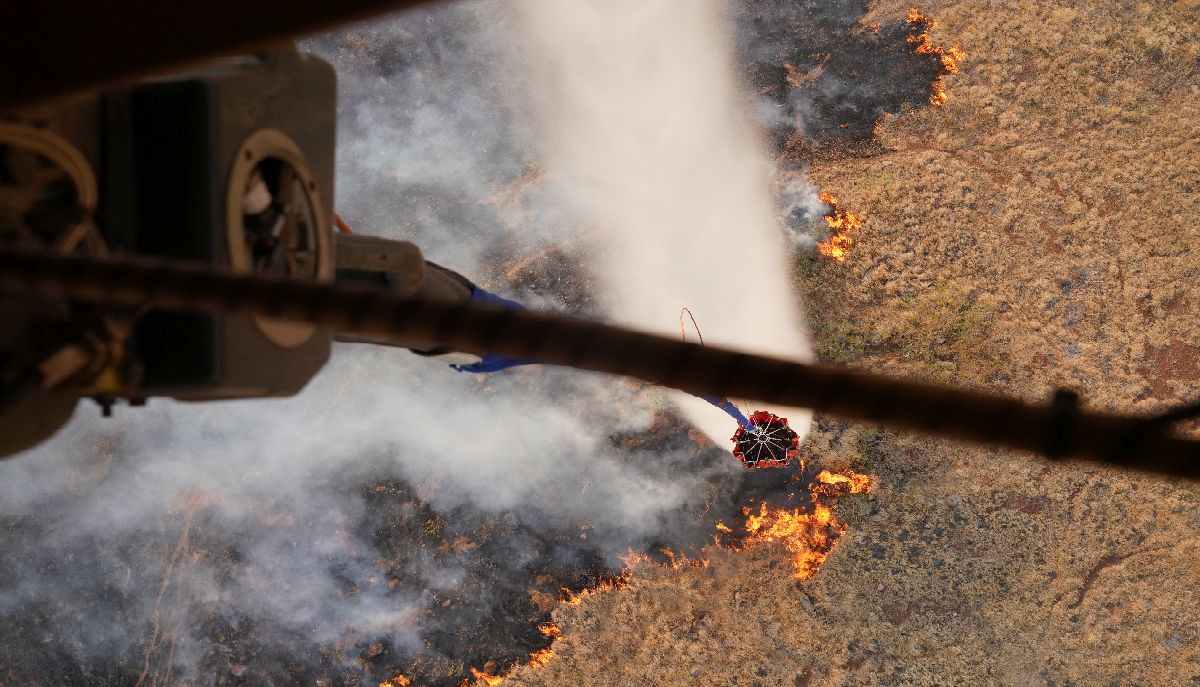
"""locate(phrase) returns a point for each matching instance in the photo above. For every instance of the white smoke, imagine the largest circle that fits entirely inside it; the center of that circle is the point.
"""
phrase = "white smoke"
(800, 208)
(646, 132)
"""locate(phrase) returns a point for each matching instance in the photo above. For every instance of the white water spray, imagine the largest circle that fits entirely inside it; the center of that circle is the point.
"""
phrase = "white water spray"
(645, 130)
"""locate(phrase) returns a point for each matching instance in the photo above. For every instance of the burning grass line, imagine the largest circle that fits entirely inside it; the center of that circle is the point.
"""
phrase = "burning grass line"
(918, 37)
(537, 659)
(619, 581)
(482, 678)
(632, 560)
(540, 657)
(808, 536)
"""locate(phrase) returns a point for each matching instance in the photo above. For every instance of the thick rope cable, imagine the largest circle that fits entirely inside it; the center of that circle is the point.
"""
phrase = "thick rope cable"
(1060, 429)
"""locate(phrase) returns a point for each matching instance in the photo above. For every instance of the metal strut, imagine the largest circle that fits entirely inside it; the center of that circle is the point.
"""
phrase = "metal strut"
(1060, 430)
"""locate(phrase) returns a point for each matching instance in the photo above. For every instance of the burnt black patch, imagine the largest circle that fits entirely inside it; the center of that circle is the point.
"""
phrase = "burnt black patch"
(822, 78)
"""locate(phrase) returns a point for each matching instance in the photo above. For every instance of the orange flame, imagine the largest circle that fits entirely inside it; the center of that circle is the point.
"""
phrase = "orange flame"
(571, 598)
(674, 561)
(618, 581)
(482, 678)
(918, 38)
(398, 681)
(855, 483)
(541, 657)
(549, 629)
(808, 536)
(842, 224)
(537, 659)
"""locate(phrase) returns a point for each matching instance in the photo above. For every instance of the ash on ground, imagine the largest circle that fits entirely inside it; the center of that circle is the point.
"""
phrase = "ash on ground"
(823, 78)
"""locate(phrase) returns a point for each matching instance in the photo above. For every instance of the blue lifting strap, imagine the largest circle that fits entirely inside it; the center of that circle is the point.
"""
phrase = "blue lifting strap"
(492, 362)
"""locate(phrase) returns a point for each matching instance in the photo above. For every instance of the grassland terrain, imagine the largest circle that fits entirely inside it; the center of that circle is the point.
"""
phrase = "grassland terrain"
(1040, 230)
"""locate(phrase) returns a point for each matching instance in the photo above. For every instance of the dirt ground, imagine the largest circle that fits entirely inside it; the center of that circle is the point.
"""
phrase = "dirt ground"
(1038, 231)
